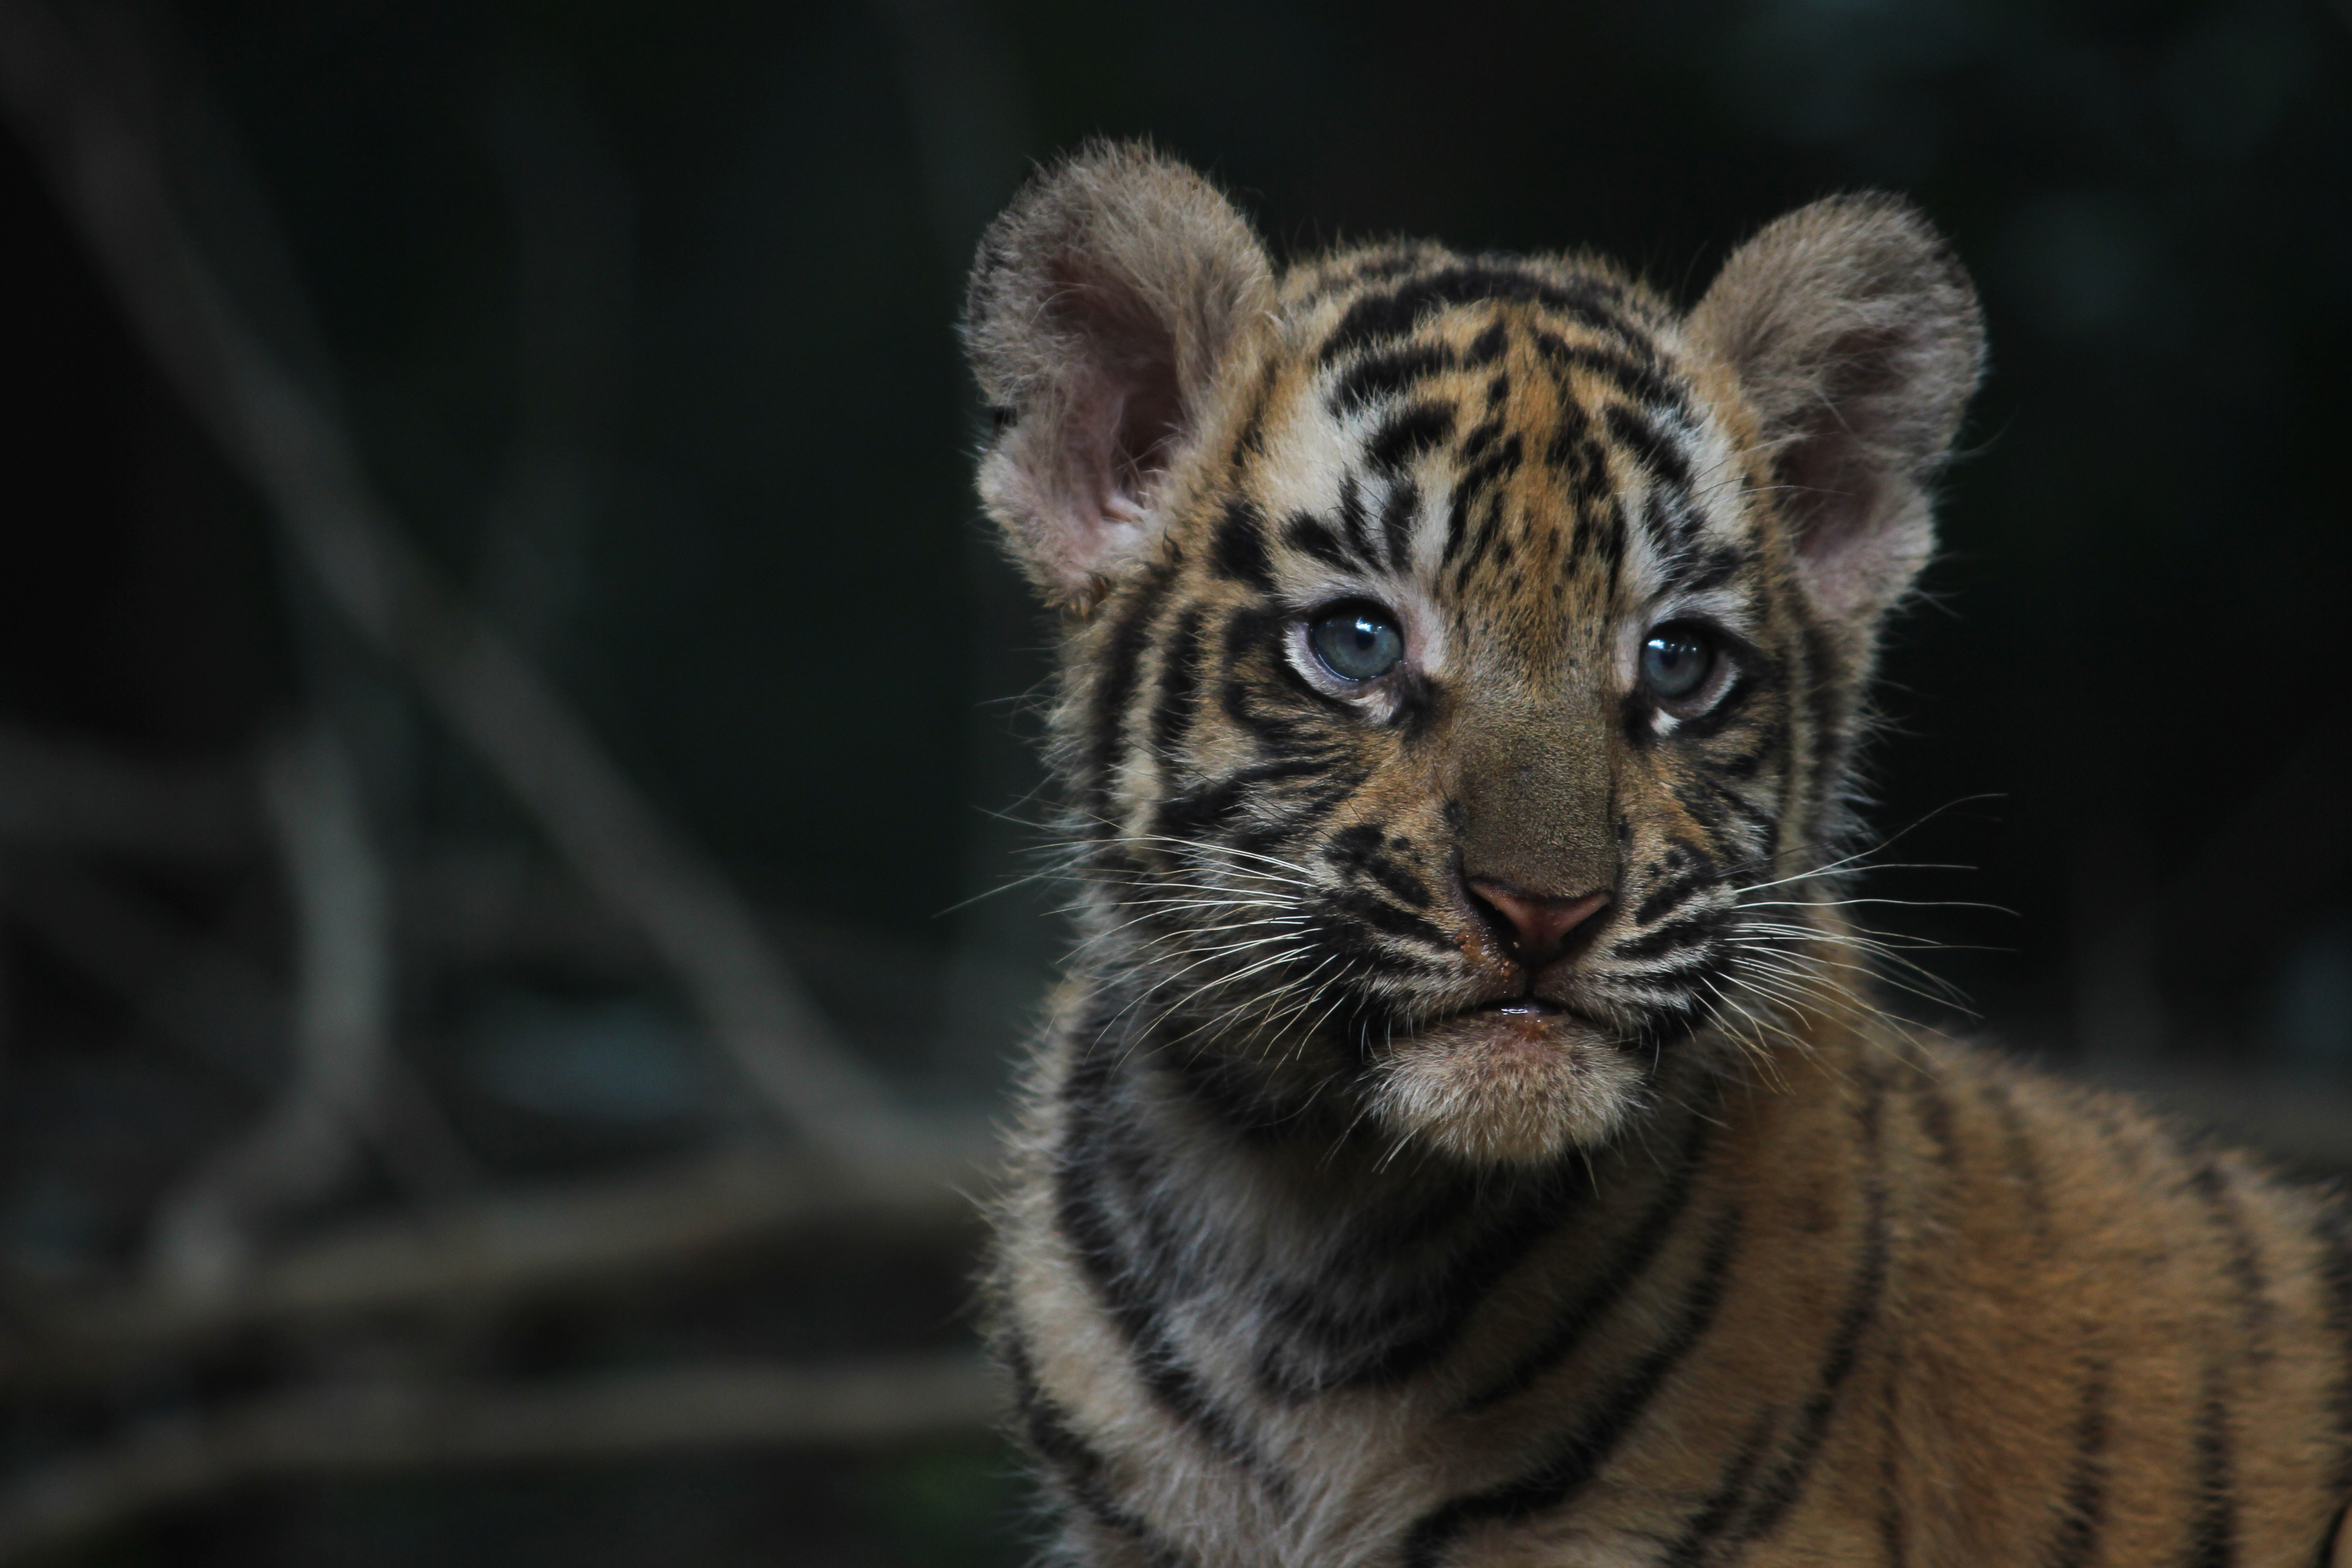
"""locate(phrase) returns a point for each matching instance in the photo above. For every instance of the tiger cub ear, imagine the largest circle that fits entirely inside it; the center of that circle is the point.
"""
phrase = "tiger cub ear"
(1857, 340)
(1104, 302)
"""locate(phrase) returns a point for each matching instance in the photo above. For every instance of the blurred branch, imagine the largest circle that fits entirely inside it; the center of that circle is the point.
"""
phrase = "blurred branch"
(475, 1258)
(308, 1143)
(106, 166)
(365, 1427)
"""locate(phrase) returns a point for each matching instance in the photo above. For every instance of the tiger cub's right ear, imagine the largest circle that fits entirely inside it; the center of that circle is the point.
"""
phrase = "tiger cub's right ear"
(1104, 302)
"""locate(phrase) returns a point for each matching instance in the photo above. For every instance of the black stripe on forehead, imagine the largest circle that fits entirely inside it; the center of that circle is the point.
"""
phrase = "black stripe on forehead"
(1659, 452)
(1400, 311)
(1369, 267)
(1311, 535)
(1240, 547)
(1386, 374)
(1711, 569)
(1397, 514)
(1599, 535)
(1636, 372)
(1407, 433)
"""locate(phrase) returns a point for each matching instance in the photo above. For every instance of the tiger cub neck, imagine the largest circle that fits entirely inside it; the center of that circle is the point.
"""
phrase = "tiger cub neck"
(1304, 1254)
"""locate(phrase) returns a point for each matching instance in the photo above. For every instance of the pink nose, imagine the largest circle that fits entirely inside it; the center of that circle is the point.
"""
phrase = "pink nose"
(1535, 928)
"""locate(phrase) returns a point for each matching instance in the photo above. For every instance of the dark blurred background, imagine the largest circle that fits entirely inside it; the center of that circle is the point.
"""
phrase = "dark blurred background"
(503, 686)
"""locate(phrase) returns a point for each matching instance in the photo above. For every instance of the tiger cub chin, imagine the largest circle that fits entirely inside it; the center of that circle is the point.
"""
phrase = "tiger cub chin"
(1465, 1133)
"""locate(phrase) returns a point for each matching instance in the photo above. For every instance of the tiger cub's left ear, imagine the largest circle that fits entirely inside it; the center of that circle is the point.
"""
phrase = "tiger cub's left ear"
(1857, 340)
(1104, 302)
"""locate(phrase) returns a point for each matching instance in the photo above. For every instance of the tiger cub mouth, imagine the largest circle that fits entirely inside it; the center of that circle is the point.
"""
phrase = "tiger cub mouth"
(1518, 1080)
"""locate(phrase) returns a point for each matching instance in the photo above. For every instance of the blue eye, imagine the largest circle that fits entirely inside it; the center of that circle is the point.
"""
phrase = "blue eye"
(1677, 660)
(1357, 643)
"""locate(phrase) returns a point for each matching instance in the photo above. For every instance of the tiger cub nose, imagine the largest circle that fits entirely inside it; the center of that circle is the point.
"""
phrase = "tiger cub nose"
(1535, 928)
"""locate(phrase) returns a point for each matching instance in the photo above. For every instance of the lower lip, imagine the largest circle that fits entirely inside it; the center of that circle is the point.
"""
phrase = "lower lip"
(1524, 1007)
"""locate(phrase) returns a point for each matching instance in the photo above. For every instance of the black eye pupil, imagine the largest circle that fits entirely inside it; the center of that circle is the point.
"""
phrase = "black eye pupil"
(1357, 644)
(1675, 661)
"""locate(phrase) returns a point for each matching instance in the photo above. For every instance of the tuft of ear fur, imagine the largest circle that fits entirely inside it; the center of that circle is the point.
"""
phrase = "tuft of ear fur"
(1857, 339)
(1105, 302)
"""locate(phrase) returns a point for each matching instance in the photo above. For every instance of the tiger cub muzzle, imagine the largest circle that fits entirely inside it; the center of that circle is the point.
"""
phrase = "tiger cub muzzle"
(1510, 1042)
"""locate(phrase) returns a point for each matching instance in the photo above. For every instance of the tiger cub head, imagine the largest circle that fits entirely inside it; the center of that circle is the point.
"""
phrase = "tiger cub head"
(1462, 654)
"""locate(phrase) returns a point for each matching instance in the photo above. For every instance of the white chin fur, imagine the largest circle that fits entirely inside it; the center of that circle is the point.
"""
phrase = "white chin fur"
(1507, 1090)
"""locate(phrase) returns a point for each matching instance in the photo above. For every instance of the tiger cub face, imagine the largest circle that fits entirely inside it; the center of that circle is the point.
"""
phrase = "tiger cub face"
(1462, 653)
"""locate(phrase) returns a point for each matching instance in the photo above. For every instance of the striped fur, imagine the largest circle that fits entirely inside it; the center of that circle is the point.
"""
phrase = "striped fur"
(1342, 1231)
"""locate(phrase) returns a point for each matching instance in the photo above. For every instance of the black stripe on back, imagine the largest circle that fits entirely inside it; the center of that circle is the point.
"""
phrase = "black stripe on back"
(2247, 1276)
(2335, 1524)
(1779, 1489)
(2083, 1507)
(1623, 1402)
(2332, 1232)
(1892, 1535)
(1689, 1548)
(1936, 1117)
(2024, 1170)
(2213, 1521)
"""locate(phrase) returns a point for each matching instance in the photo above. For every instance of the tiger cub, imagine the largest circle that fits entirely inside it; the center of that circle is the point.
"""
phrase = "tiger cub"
(1465, 1133)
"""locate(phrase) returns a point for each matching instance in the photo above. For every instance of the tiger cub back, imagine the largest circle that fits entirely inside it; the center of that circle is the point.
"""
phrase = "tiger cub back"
(1465, 1133)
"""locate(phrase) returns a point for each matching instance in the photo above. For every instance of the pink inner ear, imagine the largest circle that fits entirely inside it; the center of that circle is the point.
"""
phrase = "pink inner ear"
(1854, 532)
(1149, 422)
(1126, 410)
(1834, 491)
(1845, 520)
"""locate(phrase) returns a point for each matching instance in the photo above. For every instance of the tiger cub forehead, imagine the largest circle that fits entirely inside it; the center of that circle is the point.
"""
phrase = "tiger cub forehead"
(1523, 456)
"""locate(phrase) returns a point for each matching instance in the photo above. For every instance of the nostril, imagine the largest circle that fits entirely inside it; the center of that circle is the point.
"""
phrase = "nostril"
(1534, 927)
(1499, 925)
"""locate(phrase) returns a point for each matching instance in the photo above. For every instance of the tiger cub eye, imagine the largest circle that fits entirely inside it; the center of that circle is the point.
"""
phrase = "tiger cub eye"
(1357, 642)
(1677, 660)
